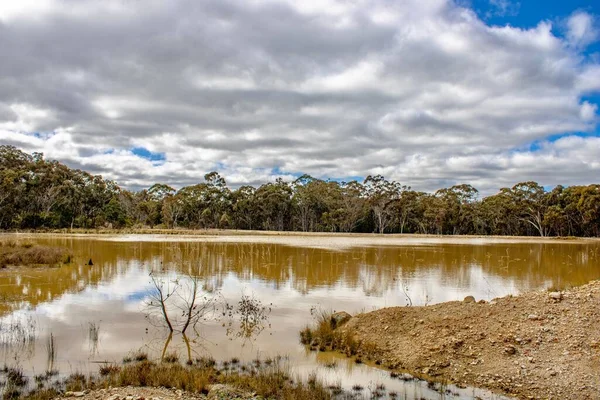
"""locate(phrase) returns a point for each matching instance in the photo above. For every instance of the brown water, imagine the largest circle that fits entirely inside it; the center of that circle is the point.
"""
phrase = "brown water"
(98, 313)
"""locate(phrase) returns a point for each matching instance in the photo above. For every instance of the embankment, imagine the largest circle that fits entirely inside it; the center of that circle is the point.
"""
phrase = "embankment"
(536, 345)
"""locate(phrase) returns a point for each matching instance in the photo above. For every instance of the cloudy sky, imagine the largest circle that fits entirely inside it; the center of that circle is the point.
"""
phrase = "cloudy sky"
(426, 92)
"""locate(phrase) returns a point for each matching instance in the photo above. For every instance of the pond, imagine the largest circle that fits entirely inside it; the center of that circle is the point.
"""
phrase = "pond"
(91, 314)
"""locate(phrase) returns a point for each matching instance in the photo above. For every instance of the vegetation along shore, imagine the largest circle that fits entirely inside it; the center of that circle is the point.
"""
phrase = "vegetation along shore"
(44, 194)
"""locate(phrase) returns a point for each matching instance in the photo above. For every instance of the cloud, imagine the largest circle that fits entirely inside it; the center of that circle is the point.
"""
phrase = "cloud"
(503, 8)
(582, 29)
(425, 92)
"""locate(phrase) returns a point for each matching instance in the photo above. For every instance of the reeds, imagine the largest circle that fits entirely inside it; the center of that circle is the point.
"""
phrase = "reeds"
(51, 352)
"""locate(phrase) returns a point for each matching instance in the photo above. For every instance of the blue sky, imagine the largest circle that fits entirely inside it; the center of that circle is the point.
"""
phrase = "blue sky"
(427, 93)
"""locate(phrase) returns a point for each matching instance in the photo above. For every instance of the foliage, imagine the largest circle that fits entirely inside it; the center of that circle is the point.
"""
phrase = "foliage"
(39, 194)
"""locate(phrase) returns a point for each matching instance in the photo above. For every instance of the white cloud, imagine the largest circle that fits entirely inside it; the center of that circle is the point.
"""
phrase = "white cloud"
(503, 8)
(9, 10)
(581, 29)
(423, 91)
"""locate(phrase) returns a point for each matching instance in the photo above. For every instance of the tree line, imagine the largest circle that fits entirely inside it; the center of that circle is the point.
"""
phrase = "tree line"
(36, 193)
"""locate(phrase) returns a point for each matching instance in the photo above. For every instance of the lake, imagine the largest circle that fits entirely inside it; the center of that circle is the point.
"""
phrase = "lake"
(102, 312)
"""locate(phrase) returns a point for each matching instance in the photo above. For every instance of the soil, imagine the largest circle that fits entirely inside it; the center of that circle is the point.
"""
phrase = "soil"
(160, 393)
(536, 345)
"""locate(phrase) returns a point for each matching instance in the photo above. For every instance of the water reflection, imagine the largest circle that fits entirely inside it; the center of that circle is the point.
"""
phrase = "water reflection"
(482, 270)
(97, 313)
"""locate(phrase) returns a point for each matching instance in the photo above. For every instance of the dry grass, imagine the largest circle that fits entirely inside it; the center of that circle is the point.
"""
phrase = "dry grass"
(109, 369)
(29, 254)
(272, 381)
(323, 336)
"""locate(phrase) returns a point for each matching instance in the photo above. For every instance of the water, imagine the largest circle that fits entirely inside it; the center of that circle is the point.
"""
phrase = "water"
(99, 313)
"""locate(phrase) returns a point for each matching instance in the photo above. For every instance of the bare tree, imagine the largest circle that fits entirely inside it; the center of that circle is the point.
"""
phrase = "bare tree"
(180, 303)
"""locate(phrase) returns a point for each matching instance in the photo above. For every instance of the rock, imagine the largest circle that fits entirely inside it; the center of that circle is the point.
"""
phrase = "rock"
(510, 350)
(556, 296)
(469, 299)
(220, 391)
(74, 394)
(339, 318)
(533, 317)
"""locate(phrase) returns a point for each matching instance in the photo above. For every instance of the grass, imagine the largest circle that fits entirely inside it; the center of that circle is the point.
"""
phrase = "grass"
(136, 356)
(324, 337)
(15, 377)
(269, 382)
(109, 369)
(171, 358)
(30, 254)
(20, 333)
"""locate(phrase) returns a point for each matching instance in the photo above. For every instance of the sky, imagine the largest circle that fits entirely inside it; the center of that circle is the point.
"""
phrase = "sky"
(428, 93)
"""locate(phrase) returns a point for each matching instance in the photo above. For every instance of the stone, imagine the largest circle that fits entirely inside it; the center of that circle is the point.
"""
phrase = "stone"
(78, 394)
(533, 317)
(510, 350)
(339, 318)
(556, 296)
(469, 299)
(220, 391)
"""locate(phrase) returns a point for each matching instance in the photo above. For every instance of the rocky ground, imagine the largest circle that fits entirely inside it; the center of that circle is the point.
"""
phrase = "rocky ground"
(217, 392)
(536, 345)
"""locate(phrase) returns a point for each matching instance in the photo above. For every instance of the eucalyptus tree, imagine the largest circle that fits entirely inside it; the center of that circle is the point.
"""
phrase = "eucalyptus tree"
(244, 209)
(315, 201)
(353, 208)
(529, 198)
(381, 196)
(458, 210)
(274, 202)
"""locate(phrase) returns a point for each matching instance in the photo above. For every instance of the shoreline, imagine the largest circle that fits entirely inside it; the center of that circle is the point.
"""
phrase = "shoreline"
(332, 241)
(536, 345)
(251, 232)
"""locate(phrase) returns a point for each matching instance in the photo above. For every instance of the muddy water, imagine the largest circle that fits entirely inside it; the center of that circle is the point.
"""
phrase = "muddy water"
(101, 312)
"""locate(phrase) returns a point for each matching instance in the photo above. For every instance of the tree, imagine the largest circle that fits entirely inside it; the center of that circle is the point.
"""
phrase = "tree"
(529, 198)
(274, 202)
(381, 195)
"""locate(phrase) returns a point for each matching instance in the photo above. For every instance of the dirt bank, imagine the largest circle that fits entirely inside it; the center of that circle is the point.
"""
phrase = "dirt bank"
(536, 345)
